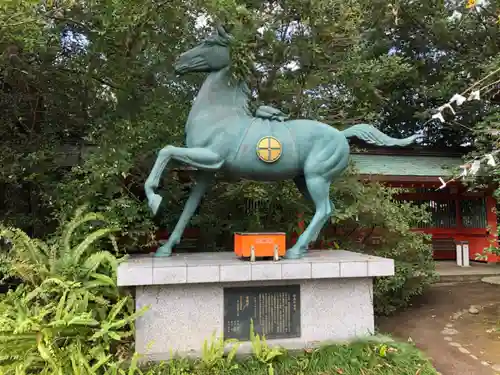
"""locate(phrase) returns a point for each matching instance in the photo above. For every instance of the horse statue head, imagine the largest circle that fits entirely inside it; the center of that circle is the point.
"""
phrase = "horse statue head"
(211, 55)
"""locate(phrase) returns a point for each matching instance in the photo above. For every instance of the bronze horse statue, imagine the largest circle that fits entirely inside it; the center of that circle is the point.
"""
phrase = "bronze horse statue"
(223, 135)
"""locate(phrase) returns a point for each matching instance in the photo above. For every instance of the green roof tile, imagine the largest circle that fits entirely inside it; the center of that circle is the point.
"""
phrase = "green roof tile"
(399, 165)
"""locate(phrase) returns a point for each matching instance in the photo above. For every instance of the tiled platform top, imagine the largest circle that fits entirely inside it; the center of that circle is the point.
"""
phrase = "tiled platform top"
(226, 267)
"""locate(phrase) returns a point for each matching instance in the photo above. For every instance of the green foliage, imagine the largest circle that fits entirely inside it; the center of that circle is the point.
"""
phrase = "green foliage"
(218, 356)
(445, 47)
(112, 71)
(363, 357)
(262, 351)
(67, 316)
(34, 261)
(213, 358)
(178, 366)
(368, 210)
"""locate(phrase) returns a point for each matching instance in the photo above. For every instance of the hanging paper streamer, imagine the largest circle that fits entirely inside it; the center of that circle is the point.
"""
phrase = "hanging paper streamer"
(464, 170)
(474, 92)
(475, 95)
(438, 116)
(476, 165)
(491, 160)
(458, 99)
(447, 105)
(472, 168)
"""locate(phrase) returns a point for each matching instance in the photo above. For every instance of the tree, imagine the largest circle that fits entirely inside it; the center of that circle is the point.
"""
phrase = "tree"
(82, 73)
(447, 46)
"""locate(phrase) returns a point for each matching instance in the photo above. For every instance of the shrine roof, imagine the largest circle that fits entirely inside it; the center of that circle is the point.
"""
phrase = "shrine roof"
(405, 165)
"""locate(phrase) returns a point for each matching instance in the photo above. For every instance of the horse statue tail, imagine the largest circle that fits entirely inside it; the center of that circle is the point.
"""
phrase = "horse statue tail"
(372, 135)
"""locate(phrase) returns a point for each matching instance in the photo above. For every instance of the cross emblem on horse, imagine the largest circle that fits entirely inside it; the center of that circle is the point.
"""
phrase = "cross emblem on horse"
(222, 134)
(269, 149)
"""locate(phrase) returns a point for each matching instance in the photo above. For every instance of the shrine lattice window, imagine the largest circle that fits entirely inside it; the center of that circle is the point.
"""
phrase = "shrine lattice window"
(473, 213)
(443, 213)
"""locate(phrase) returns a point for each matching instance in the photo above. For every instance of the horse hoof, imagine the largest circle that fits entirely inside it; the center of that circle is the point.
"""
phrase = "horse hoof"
(294, 254)
(154, 203)
(163, 251)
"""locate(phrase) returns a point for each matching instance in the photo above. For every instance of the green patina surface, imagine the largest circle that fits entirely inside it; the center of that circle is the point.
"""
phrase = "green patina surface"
(222, 134)
(403, 165)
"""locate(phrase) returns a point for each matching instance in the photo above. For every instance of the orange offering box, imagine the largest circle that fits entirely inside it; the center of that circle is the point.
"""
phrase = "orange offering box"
(259, 245)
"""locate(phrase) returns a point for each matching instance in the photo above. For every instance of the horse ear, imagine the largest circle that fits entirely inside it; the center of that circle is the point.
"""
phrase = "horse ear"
(221, 30)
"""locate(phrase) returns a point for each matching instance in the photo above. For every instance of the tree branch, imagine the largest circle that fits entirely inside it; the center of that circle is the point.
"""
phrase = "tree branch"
(68, 20)
(95, 77)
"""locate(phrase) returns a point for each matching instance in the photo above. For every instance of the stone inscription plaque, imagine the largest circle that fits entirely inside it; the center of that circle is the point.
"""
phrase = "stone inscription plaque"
(275, 311)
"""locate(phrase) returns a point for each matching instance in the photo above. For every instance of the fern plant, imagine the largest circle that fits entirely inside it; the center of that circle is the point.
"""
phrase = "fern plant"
(213, 356)
(262, 351)
(33, 260)
(68, 315)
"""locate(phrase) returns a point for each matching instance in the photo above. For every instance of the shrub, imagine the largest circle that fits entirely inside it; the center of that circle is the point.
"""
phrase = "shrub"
(366, 210)
(67, 316)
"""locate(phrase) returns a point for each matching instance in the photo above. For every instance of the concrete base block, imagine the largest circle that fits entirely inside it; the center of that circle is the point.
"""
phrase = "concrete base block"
(182, 317)
(185, 296)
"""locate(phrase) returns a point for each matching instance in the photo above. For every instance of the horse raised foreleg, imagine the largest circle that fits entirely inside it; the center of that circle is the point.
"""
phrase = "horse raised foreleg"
(319, 188)
(197, 157)
(202, 182)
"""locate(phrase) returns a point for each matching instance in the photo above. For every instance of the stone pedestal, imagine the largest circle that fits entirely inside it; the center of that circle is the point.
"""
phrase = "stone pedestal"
(329, 298)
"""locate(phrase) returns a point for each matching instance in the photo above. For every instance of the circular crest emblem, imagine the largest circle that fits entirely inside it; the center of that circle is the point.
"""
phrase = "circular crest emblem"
(269, 149)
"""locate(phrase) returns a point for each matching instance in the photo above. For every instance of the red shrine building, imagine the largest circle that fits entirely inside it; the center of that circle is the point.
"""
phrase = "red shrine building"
(457, 214)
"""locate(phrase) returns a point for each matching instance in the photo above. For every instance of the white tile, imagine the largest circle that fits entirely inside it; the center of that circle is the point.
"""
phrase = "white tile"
(233, 272)
(299, 270)
(139, 261)
(169, 275)
(316, 256)
(173, 261)
(214, 259)
(325, 270)
(353, 269)
(203, 274)
(381, 267)
(266, 271)
(128, 275)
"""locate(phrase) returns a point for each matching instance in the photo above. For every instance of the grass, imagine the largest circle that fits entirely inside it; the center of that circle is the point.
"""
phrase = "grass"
(359, 358)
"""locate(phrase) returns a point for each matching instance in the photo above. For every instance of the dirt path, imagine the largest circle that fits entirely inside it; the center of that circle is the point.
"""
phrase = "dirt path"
(439, 324)
(480, 334)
